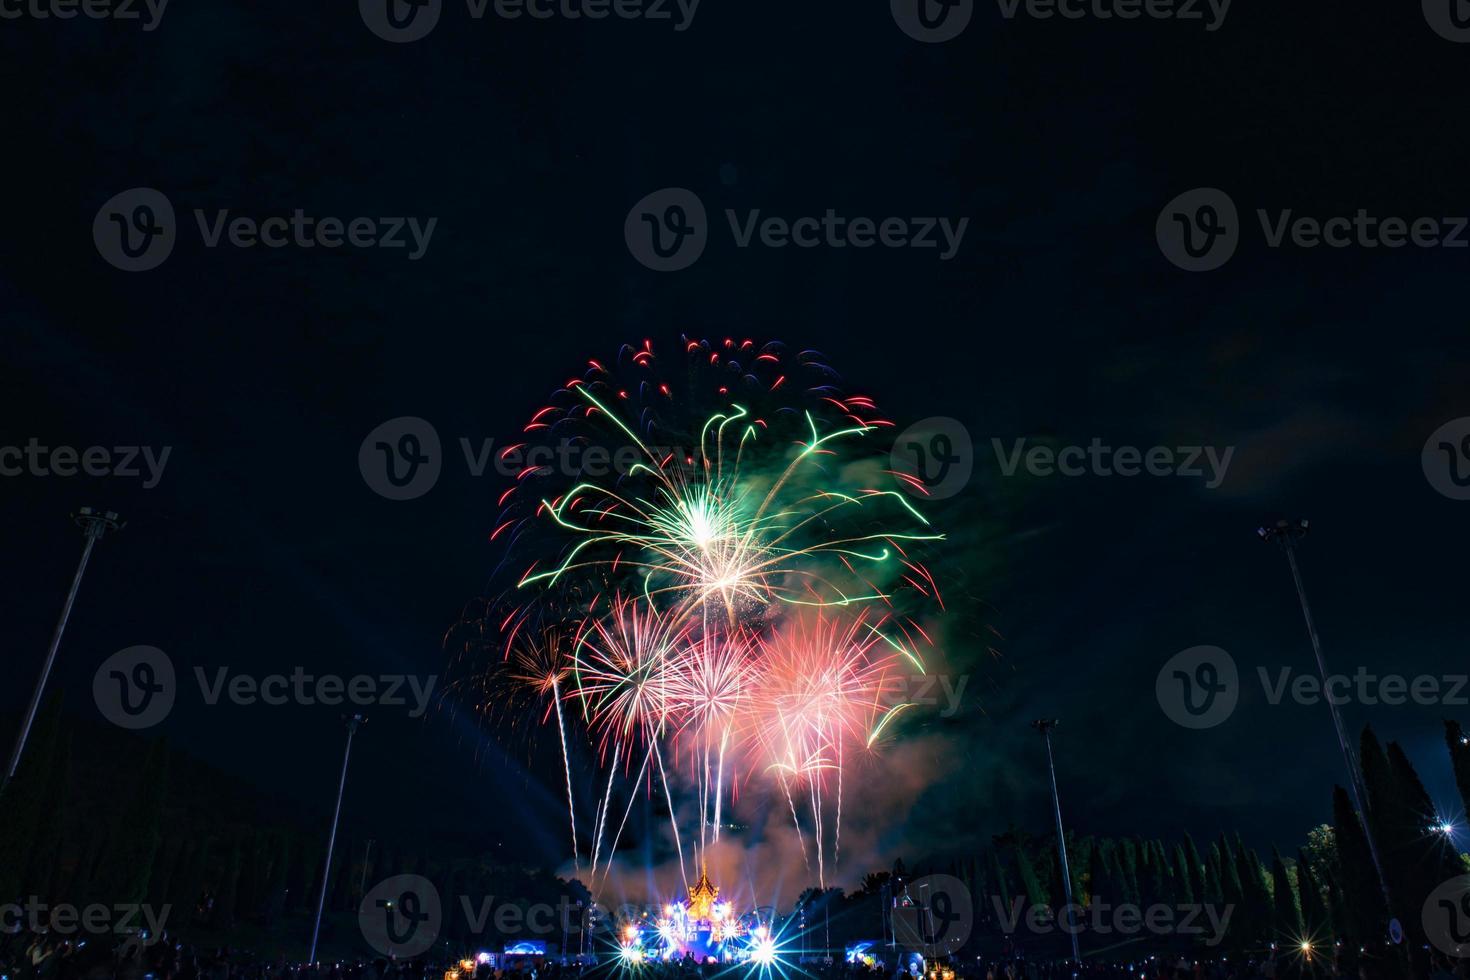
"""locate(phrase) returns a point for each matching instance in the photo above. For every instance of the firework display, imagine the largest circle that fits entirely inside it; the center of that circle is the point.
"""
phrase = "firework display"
(714, 580)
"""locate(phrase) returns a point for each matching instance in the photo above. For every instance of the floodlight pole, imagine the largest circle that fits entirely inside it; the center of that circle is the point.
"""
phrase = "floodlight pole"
(1287, 534)
(1044, 726)
(353, 724)
(94, 524)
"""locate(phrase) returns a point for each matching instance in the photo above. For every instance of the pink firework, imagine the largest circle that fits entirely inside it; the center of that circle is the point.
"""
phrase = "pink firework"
(623, 668)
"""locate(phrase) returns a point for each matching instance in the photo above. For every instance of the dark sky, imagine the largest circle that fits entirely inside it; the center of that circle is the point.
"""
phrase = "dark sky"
(261, 548)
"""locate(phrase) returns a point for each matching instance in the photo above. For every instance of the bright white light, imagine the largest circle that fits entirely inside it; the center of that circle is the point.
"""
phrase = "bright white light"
(763, 952)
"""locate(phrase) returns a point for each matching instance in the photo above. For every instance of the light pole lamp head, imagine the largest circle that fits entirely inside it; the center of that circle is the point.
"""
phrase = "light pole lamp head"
(94, 523)
(1044, 725)
(1284, 533)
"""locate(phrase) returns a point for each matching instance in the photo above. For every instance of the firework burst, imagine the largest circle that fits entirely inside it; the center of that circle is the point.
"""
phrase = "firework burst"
(729, 596)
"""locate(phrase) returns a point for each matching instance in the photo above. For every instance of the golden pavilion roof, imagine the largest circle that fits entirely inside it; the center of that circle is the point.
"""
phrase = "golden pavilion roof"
(702, 896)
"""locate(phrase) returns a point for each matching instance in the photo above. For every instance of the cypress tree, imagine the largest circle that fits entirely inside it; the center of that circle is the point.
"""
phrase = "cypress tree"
(1432, 855)
(1030, 884)
(1316, 921)
(1213, 889)
(1097, 879)
(188, 893)
(1184, 885)
(1362, 898)
(127, 861)
(226, 902)
(1128, 851)
(997, 877)
(23, 805)
(1286, 913)
(1256, 896)
(1163, 874)
(45, 877)
(1230, 885)
(1196, 867)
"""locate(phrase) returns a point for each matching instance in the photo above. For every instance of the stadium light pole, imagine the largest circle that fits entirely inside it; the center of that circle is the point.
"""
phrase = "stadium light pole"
(94, 524)
(1044, 726)
(1288, 534)
(353, 723)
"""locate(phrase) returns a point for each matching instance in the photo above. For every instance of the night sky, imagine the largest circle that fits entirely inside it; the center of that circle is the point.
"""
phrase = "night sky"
(1058, 320)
